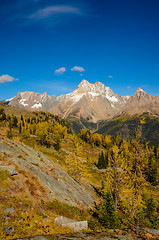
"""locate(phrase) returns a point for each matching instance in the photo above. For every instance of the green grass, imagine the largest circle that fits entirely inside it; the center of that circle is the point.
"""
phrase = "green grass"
(3, 178)
(66, 210)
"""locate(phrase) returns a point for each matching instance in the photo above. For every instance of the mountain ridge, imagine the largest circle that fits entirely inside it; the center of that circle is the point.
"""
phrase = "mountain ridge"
(91, 102)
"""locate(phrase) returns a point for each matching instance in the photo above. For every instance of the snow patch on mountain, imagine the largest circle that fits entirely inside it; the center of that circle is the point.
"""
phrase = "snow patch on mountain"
(22, 101)
(77, 97)
(94, 94)
(112, 98)
(37, 105)
(8, 100)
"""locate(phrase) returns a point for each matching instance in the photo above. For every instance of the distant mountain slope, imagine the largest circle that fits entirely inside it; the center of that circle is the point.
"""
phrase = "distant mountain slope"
(91, 102)
(124, 126)
(88, 104)
(141, 102)
(32, 101)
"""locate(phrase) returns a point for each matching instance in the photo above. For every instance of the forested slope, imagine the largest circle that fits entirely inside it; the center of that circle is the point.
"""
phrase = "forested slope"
(121, 176)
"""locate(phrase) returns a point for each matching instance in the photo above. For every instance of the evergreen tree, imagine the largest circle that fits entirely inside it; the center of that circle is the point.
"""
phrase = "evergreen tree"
(2, 114)
(102, 160)
(106, 160)
(100, 163)
(108, 216)
(151, 170)
(57, 141)
(149, 211)
(14, 121)
(137, 181)
(115, 175)
(20, 128)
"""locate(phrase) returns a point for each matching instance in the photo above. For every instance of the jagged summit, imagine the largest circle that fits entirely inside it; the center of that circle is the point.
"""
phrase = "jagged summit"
(85, 85)
(139, 90)
(91, 102)
(97, 89)
(141, 102)
(84, 82)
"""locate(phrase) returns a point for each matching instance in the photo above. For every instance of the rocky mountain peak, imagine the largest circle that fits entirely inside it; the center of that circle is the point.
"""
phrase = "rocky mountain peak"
(45, 94)
(85, 85)
(141, 102)
(98, 88)
(139, 91)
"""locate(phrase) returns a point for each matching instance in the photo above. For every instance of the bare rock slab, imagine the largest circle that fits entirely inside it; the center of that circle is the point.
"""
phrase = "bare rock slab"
(72, 224)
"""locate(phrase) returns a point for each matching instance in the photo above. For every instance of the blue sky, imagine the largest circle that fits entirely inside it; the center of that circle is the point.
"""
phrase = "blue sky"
(50, 46)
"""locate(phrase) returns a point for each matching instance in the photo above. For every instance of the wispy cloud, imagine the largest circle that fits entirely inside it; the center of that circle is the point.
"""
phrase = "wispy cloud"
(52, 10)
(110, 76)
(49, 13)
(78, 69)
(7, 78)
(60, 70)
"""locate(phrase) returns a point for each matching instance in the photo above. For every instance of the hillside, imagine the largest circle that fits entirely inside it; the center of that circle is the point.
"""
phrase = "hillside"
(124, 126)
(46, 171)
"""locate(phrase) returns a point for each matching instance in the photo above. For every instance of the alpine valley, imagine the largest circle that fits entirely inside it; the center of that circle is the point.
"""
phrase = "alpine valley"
(55, 182)
(98, 108)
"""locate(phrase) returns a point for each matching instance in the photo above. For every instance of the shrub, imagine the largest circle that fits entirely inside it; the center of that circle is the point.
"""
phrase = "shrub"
(65, 209)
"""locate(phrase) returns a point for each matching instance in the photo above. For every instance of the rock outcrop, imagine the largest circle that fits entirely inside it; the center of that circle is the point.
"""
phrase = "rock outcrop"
(50, 178)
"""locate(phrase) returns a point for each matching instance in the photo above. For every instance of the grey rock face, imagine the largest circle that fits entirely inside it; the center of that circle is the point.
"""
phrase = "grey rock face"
(58, 184)
(9, 230)
(10, 169)
(10, 210)
(72, 224)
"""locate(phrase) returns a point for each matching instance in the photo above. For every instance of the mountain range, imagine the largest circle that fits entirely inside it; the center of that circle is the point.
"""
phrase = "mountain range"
(90, 102)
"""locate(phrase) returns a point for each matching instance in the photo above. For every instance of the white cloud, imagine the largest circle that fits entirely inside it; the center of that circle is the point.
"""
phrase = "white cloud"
(77, 69)
(110, 76)
(60, 70)
(7, 78)
(52, 10)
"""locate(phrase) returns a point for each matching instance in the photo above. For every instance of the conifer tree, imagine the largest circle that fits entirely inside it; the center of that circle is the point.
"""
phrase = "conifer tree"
(137, 181)
(115, 174)
(108, 216)
(102, 160)
(20, 127)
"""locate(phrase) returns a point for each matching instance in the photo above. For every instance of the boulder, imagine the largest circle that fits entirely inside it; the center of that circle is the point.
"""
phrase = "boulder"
(9, 210)
(9, 230)
(10, 169)
(72, 224)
